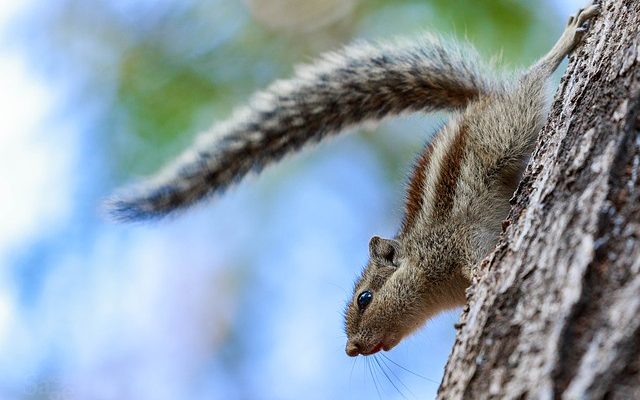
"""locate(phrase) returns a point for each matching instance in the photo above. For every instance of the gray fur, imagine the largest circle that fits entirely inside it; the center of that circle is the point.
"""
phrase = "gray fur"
(362, 82)
(456, 202)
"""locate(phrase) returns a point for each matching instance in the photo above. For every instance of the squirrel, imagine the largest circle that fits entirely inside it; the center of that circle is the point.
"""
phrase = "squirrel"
(458, 193)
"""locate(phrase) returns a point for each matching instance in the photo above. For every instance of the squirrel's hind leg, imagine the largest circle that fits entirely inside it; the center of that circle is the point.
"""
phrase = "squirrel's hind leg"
(571, 37)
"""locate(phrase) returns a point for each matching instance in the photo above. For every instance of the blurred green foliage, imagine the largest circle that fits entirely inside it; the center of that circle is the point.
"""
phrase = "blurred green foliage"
(159, 94)
(183, 67)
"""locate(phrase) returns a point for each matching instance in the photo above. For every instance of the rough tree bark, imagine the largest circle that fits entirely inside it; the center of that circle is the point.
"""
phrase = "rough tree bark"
(555, 310)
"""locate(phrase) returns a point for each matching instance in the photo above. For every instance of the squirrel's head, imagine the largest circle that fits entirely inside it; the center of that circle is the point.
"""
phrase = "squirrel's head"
(387, 302)
(394, 296)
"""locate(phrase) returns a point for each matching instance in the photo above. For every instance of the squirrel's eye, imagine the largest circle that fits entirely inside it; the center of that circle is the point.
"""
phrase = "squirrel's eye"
(364, 299)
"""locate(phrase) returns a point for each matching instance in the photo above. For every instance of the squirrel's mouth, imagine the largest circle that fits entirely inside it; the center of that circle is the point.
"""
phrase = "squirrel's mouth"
(385, 344)
(390, 343)
(374, 349)
(355, 347)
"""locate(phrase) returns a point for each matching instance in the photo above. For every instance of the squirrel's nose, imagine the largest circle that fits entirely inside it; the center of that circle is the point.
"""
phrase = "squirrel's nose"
(353, 349)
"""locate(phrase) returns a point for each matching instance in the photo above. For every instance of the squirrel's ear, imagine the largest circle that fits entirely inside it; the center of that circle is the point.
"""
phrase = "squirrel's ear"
(387, 249)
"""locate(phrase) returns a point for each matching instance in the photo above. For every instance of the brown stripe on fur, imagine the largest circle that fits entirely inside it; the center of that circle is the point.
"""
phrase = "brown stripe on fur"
(415, 191)
(445, 190)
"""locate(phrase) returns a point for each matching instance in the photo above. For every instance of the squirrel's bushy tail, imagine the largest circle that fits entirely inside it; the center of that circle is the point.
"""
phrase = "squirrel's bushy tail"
(362, 82)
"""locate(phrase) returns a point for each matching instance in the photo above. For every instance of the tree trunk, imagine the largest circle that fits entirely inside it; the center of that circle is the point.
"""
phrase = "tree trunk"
(554, 312)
